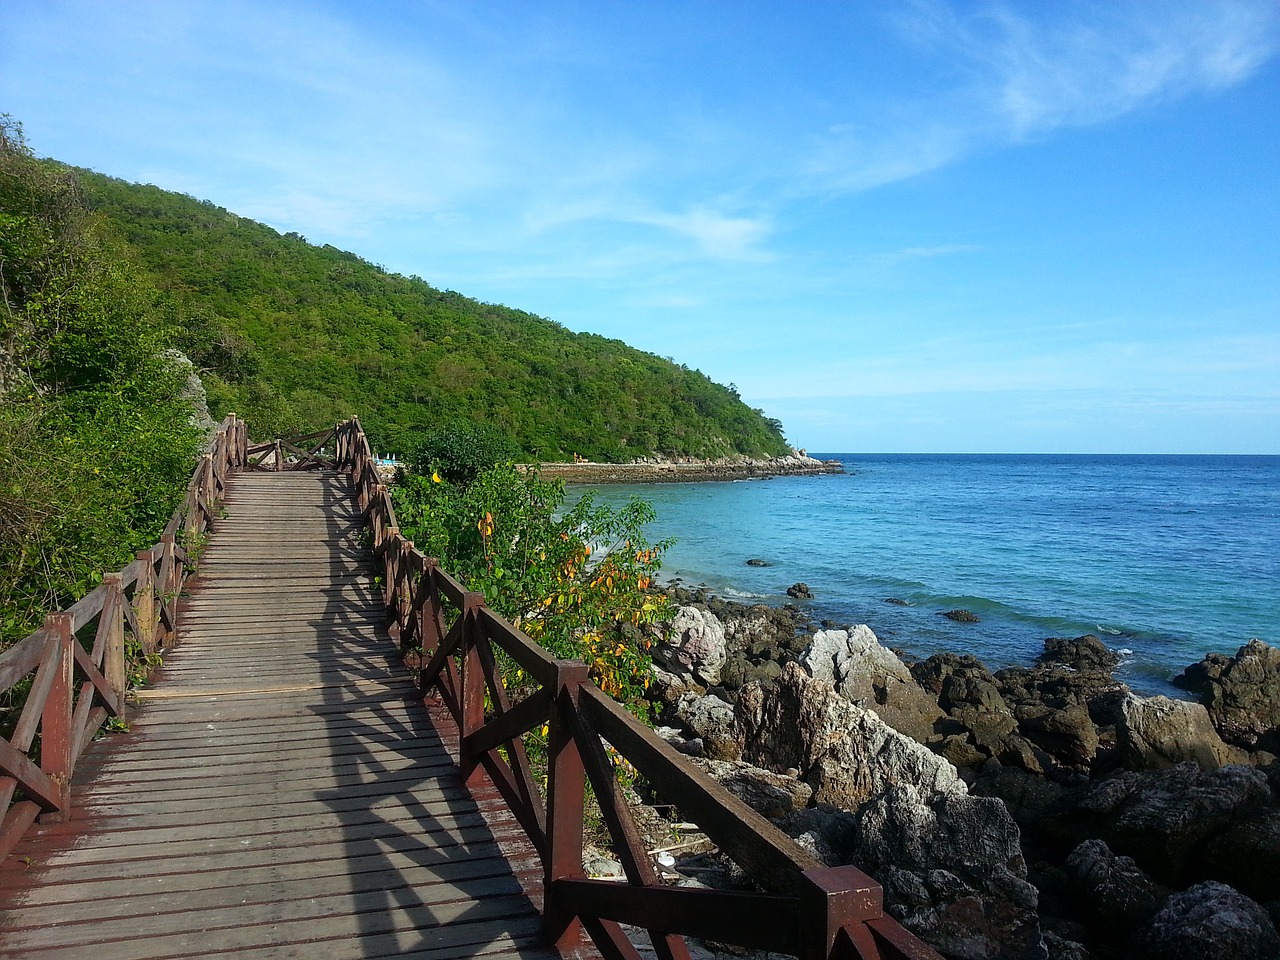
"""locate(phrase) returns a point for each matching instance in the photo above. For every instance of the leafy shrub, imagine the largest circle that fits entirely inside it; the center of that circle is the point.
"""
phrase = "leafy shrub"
(460, 451)
(577, 581)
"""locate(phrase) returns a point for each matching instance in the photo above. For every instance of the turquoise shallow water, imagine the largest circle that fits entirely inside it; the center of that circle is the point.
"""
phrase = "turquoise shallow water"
(1167, 558)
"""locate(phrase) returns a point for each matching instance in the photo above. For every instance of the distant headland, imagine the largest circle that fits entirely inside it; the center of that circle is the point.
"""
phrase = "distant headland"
(689, 470)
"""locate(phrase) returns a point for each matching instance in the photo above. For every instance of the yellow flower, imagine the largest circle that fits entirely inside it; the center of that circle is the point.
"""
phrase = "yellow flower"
(435, 477)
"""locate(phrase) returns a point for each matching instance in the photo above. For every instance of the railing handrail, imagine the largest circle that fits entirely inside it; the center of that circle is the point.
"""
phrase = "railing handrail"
(58, 719)
(806, 909)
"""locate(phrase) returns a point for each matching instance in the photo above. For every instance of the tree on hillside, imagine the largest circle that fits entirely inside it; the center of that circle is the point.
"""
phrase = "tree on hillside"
(96, 441)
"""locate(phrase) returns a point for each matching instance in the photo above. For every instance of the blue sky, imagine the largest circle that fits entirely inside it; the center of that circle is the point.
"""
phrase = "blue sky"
(915, 226)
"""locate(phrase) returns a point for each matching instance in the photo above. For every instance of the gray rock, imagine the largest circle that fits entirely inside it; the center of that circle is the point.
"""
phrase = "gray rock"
(932, 672)
(964, 854)
(1067, 734)
(695, 646)
(951, 863)
(870, 675)
(847, 754)
(829, 833)
(770, 794)
(1211, 921)
(1157, 732)
(710, 719)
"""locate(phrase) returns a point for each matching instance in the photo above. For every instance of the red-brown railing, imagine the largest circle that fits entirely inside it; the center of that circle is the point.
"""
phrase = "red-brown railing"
(78, 657)
(805, 909)
(306, 452)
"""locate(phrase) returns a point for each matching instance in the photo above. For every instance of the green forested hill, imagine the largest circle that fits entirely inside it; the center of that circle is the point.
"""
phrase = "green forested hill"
(294, 336)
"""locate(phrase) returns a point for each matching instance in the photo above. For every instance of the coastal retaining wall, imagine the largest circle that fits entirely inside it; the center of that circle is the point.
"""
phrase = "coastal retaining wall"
(688, 471)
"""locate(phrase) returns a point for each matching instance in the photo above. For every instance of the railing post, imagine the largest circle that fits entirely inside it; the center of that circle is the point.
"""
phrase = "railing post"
(57, 741)
(144, 601)
(404, 595)
(835, 902)
(472, 713)
(566, 791)
(208, 489)
(279, 456)
(113, 666)
(429, 632)
(390, 564)
(167, 588)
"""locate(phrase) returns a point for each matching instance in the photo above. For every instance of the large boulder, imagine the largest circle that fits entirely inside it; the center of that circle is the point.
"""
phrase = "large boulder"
(1164, 819)
(953, 872)
(1156, 732)
(695, 645)
(1062, 707)
(1211, 921)
(870, 675)
(1241, 693)
(1080, 653)
(845, 752)
(951, 864)
(770, 794)
(1115, 896)
(1247, 855)
(932, 673)
(711, 719)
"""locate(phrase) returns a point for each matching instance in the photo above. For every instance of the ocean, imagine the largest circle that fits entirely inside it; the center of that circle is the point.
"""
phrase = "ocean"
(1164, 557)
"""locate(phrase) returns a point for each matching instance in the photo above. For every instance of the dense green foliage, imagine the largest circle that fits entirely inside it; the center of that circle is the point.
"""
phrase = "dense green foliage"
(459, 450)
(295, 336)
(96, 442)
(577, 580)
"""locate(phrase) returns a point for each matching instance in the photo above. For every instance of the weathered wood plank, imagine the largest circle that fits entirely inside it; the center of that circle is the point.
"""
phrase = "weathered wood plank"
(283, 792)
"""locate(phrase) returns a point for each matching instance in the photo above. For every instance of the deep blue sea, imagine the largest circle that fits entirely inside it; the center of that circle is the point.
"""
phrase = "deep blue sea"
(1165, 557)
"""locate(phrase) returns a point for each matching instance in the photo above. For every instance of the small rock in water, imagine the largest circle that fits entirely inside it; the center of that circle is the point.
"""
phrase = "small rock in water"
(897, 601)
(800, 591)
(757, 562)
(960, 616)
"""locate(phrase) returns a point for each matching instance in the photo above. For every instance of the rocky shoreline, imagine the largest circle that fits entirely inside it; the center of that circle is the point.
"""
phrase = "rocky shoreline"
(1030, 813)
(657, 470)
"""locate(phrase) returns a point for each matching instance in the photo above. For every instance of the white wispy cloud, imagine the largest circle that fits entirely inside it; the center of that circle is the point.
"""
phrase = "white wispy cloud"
(1028, 74)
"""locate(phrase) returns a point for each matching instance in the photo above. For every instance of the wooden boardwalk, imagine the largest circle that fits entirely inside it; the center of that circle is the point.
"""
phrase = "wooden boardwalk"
(283, 792)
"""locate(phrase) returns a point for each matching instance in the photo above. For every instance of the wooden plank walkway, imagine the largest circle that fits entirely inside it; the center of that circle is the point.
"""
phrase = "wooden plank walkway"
(283, 793)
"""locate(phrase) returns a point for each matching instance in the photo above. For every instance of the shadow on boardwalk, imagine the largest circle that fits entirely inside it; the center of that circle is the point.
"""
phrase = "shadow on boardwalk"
(283, 793)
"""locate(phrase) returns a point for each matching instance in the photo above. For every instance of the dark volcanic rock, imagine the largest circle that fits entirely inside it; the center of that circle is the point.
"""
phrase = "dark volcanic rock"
(933, 672)
(1114, 895)
(800, 591)
(1164, 819)
(1247, 856)
(896, 601)
(1211, 921)
(755, 562)
(1080, 653)
(960, 616)
(1241, 693)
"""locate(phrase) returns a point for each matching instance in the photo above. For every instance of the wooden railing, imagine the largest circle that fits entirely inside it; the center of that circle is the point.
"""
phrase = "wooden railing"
(78, 657)
(306, 452)
(804, 909)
